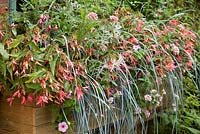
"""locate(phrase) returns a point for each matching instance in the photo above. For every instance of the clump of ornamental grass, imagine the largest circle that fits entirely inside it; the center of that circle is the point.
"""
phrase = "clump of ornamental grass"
(148, 62)
(113, 73)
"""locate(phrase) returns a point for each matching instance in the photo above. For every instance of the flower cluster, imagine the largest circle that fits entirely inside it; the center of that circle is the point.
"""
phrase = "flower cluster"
(146, 112)
(45, 82)
(43, 19)
(52, 85)
(155, 97)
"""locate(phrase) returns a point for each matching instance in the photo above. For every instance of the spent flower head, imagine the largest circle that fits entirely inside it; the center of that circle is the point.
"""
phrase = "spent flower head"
(1, 34)
(147, 113)
(113, 18)
(148, 97)
(92, 16)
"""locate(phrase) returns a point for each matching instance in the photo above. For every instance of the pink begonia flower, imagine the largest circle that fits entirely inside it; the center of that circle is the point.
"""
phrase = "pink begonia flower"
(174, 22)
(187, 33)
(55, 27)
(140, 24)
(23, 100)
(37, 38)
(43, 83)
(179, 58)
(40, 22)
(63, 95)
(189, 51)
(41, 100)
(12, 25)
(190, 44)
(13, 64)
(30, 97)
(189, 64)
(17, 93)
(148, 97)
(170, 66)
(133, 40)
(49, 28)
(2, 34)
(159, 81)
(79, 93)
(42, 19)
(92, 16)
(115, 19)
(147, 113)
(62, 127)
(10, 100)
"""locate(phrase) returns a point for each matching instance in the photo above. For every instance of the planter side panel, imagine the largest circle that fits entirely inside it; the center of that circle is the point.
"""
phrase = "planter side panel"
(15, 119)
(19, 119)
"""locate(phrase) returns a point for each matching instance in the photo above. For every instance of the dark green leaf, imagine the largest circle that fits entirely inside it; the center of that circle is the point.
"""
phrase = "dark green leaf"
(38, 56)
(3, 68)
(52, 63)
(66, 86)
(9, 67)
(19, 54)
(17, 41)
(192, 130)
(36, 86)
(3, 52)
(34, 47)
(70, 103)
(35, 75)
